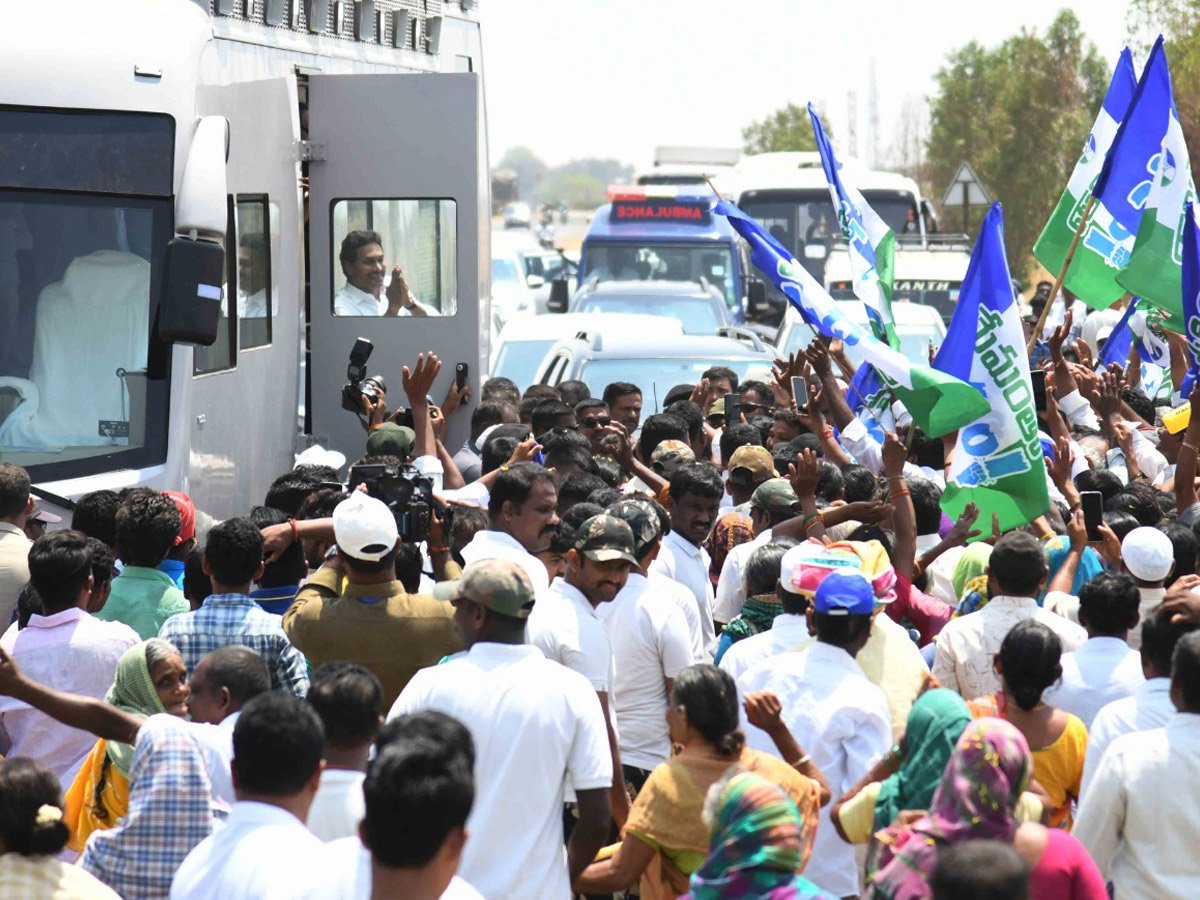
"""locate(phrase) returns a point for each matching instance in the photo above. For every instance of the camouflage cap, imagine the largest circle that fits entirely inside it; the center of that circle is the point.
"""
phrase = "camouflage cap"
(751, 464)
(716, 408)
(604, 538)
(669, 456)
(775, 495)
(497, 584)
(642, 519)
(390, 439)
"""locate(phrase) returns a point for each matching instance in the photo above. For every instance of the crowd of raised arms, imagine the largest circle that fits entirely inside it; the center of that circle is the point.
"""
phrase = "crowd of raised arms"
(637, 655)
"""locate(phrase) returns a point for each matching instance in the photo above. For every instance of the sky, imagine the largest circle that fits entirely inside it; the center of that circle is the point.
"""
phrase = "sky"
(615, 78)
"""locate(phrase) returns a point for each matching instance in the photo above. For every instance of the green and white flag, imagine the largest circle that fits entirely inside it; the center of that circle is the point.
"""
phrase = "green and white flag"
(870, 242)
(1154, 270)
(1105, 244)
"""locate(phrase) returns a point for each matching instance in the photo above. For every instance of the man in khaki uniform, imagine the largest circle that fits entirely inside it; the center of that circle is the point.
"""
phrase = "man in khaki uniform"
(16, 505)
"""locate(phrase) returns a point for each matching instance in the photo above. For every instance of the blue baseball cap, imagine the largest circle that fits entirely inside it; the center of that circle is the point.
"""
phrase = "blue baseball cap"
(844, 594)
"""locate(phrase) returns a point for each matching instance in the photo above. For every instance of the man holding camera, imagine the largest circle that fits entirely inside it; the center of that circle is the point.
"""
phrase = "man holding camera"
(355, 609)
(363, 294)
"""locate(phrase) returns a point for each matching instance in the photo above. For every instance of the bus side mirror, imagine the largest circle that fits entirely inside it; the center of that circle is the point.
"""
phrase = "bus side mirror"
(190, 310)
(558, 296)
(756, 297)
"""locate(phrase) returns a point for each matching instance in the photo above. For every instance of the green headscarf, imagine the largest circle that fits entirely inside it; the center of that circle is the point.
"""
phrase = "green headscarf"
(936, 721)
(133, 691)
(972, 564)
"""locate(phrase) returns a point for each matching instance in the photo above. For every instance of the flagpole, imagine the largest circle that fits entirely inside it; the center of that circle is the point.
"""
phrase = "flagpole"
(1062, 273)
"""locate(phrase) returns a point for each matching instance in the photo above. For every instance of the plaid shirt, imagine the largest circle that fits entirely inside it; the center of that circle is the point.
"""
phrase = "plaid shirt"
(227, 619)
(170, 812)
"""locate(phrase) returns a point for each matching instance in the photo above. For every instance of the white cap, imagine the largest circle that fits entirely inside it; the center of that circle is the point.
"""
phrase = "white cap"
(316, 455)
(1103, 333)
(1148, 554)
(364, 527)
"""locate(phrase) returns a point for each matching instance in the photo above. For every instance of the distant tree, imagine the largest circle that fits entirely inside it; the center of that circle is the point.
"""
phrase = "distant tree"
(526, 164)
(1019, 114)
(582, 183)
(1179, 22)
(788, 128)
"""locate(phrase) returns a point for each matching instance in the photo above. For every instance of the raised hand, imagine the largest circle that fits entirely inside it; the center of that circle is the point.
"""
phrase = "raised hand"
(419, 380)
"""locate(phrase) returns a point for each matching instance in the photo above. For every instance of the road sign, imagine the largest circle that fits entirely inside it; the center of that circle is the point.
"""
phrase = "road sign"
(966, 190)
(966, 182)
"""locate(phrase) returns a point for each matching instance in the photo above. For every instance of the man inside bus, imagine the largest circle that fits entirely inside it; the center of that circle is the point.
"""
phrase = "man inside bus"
(364, 294)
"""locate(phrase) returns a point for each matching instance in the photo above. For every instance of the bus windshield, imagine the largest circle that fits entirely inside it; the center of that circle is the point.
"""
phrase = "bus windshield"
(83, 385)
(804, 221)
(630, 261)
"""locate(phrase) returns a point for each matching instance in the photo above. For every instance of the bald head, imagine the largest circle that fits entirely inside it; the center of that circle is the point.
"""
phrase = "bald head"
(224, 680)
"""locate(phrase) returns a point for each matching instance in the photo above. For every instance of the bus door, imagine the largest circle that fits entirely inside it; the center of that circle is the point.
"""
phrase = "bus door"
(398, 178)
(241, 406)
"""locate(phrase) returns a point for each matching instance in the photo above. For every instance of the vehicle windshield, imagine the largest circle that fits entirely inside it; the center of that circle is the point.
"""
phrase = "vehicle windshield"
(804, 222)
(657, 376)
(504, 269)
(520, 360)
(915, 341)
(697, 315)
(630, 261)
(83, 384)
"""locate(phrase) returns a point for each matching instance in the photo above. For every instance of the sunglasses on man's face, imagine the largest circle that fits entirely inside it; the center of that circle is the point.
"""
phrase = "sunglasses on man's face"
(753, 406)
(596, 422)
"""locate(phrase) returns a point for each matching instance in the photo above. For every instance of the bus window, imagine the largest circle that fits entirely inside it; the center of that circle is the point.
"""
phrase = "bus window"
(395, 258)
(85, 215)
(257, 302)
(221, 355)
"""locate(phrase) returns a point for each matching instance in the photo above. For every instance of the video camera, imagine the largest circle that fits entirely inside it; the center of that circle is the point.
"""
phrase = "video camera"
(360, 385)
(408, 494)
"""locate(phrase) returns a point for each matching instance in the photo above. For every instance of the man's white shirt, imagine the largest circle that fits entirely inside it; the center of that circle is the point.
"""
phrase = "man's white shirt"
(650, 643)
(565, 627)
(345, 874)
(1150, 707)
(1104, 669)
(841, 719)
(489, 544)
(731, 586)
(788, 632)
(538, 730)
(350, 301)
(687, 564)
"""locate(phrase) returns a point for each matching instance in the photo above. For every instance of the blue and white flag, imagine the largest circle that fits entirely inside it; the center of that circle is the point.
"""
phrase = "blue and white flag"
(937, 402)
(870, 242)
(1120, 339)
(1191, 295)
(871, 402)
(997, 461)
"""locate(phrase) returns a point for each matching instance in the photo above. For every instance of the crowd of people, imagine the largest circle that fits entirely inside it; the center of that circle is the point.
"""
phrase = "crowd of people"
(634, 655)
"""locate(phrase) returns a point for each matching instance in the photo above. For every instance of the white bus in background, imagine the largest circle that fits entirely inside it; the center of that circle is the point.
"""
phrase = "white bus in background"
(160, 269)
(929, 273)
(788, 194)
(683, 165)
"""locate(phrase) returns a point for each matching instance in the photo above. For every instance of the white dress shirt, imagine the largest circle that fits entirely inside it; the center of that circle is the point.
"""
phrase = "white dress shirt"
(502, 545)
(966, 645)
(346, 875)
(684, 562)
(350, 301)
(216, 746)
(263, 851)
(339, 805)
(650, 643)
(788, 632)
(1139, 820)
(538, 730)
(1150, 598)
(69, 651)
(682, 598)
(1104, 669)
(565, 627)
(840, 719)
(731, 586)
(1149, 707)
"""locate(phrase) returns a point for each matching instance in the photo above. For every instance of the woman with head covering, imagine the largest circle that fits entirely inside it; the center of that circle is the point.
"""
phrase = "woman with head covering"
(170, 812)
(1087, 561)
(904, 780)
(1028, 663)
(731, 529)
(987, 772)
(970, 578)
(665, 838)
(757, 845)
(32, 833)
(151, 678)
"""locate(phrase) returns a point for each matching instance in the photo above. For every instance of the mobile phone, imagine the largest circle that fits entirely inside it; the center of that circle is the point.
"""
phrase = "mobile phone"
(460, 375)
(1038, 377)
(1093, 512)
(800, 391)
(733, 409)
